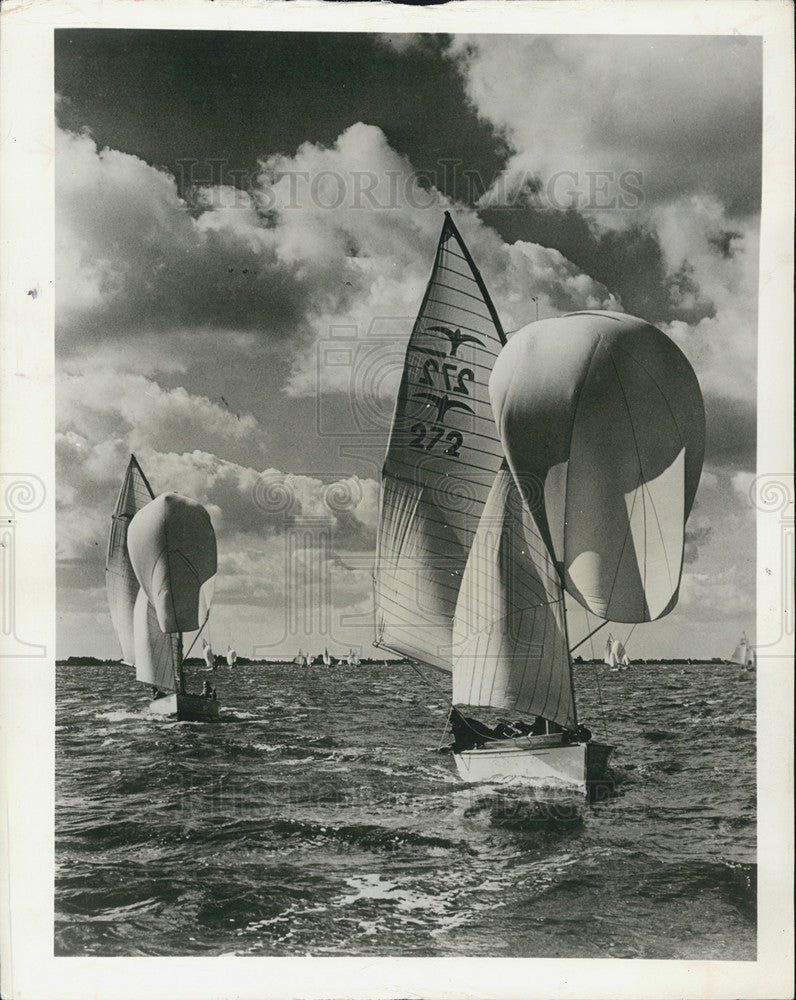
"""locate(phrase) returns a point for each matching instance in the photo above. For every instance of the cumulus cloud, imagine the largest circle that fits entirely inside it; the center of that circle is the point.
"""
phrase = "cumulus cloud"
(573, 106)
(259, 516)
(650, 145)
(320, 242)
(102, 405)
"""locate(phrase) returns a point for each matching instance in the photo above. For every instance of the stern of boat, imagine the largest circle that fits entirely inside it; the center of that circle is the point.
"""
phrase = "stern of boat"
(186, 707)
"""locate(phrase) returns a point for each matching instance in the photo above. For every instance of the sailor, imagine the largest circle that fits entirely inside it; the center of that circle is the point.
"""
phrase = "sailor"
(505, 730)
(207, 690)
(468, 732)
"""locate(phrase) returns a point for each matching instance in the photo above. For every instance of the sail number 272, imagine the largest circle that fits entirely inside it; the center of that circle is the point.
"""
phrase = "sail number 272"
(434, 435)
(463, 376)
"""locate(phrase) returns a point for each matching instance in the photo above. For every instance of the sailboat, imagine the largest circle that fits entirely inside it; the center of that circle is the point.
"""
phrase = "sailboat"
(301, 659)
(744, 653)
(352, 659)
(496, 502)
(327, 660)
(160, 567)
(615, 655)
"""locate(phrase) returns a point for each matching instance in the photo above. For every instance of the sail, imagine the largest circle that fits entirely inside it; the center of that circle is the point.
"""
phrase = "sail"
(172, 548)
(442, 458)
(510, 646)
(157, 654)
(603, 425)
(743, 652)
(120, 582)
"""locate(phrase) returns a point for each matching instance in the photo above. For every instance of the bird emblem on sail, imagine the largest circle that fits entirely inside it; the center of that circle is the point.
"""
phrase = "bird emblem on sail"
(443, 403)
(456, 337)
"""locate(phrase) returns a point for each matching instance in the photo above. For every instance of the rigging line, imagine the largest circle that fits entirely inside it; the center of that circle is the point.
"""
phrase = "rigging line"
(600, 699)
(444, 729)
(597, 669)
(185, 656)
(579, 644)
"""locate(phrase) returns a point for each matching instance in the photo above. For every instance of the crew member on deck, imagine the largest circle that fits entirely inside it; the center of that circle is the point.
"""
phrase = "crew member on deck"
(468, 733)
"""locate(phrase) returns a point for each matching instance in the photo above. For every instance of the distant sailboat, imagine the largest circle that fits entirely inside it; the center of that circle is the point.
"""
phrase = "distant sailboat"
(301, 659)
(159, 575)
(327, 660)
(352, 659)
(232, 656)
(744, 653)
(207, 653)
(615, 655)
(474, 552)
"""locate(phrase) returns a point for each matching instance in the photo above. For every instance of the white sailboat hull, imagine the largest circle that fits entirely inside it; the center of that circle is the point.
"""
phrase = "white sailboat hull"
(542, 762)
(186, 707)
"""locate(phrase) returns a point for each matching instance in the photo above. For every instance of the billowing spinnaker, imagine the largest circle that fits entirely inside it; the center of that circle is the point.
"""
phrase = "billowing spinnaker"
(157, 653)
(510, 646)
(172, 548)
(120, 582)
(603, 425)
(441, 460)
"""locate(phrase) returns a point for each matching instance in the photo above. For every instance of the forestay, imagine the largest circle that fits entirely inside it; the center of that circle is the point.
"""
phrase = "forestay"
(442, 458)
(120, 581)
(510, 640)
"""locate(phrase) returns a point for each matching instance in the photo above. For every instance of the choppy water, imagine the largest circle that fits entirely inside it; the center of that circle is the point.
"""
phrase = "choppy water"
(317, 818)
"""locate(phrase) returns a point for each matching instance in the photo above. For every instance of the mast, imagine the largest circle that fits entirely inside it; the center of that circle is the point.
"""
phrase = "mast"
(179, 674)
(569, 658)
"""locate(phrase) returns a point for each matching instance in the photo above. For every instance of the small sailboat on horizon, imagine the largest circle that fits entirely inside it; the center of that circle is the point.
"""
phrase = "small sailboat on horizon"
(160, 571)
(744, 654)
(491, 446)
(616, 657)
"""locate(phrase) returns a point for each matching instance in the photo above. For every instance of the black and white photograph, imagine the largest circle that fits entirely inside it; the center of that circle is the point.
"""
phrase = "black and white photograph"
(416, 484)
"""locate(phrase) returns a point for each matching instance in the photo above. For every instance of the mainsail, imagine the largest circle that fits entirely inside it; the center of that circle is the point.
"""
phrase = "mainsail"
(603, 425)
(120, 582)
(443, 455)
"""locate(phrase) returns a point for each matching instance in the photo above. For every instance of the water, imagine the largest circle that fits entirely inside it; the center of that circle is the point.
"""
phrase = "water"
(317, 818)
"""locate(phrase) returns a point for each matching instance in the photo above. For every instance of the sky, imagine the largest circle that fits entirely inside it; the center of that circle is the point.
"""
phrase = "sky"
(245, 225)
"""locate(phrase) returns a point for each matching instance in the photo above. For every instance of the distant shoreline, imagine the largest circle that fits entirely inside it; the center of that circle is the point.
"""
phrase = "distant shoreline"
(242, 661)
